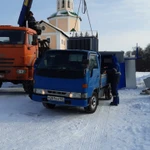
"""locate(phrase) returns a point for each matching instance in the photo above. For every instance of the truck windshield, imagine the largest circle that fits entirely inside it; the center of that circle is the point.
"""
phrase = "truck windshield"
(12, 37)
(63, 64)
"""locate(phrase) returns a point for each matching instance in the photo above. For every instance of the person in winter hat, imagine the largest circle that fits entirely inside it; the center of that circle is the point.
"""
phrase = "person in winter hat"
(31, 20)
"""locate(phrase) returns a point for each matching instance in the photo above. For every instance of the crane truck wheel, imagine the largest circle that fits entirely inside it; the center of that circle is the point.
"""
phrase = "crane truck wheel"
(1, 84)
(49, 106)
(93, 102)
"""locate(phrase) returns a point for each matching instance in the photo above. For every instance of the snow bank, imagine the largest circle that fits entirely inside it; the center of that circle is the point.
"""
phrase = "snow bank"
(139, 78)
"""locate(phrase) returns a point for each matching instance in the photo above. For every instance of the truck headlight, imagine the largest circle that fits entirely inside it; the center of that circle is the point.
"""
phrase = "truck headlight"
(39, 91)
(21, 71)
(78, 95)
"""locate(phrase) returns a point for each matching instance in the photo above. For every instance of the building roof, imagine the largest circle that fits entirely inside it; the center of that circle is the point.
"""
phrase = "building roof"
(59, 30)
(63, 13)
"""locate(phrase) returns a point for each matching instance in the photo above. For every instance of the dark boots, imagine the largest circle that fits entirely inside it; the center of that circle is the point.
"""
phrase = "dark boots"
(115, 101)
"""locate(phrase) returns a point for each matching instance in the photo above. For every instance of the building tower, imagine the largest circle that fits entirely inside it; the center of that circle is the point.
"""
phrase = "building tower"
(65, 18)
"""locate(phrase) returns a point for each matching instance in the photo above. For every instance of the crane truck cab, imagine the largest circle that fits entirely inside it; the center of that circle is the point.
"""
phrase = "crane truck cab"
(18, 51)
(19, 48)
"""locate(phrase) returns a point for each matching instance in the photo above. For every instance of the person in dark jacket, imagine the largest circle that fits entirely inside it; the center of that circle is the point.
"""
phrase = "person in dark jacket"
(31, 21)
(33, 24)
(113, 79)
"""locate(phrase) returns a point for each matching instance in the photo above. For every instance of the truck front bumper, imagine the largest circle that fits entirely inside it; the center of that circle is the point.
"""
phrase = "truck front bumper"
(15, 73)
(67, 101)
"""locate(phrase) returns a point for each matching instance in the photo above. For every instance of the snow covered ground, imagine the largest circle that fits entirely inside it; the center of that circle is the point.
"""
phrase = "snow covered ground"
(27, 125)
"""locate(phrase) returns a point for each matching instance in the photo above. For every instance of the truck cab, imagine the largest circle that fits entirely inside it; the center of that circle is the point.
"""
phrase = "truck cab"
(18, 52)
(70, 77)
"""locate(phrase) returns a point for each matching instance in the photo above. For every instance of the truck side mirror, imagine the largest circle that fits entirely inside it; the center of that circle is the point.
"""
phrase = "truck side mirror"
(35, 39)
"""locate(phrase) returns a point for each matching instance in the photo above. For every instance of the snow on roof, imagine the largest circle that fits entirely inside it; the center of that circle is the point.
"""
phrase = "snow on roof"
(59, 30)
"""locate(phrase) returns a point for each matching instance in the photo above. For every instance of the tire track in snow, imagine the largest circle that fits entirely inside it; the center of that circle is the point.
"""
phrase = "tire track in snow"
(54, 123)
(63, 128)
(77, 130)
(98, 133)
(87, 132)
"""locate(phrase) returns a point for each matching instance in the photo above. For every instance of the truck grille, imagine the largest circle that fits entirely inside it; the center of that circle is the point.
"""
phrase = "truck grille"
(4, 71)
(58, 93)
(6, 61)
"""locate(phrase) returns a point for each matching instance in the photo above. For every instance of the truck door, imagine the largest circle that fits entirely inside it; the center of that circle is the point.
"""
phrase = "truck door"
(31, 50)
(94, 73)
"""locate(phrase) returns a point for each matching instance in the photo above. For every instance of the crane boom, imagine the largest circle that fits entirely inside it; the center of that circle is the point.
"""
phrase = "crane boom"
(24, 11)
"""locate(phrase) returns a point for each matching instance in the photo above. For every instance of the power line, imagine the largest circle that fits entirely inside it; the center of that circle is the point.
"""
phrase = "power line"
(88, 16)
(77, 16)
(84, 10)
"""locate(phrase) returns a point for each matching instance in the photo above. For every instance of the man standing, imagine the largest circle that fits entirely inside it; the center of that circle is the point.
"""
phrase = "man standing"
(33, 24)
(114, 78)
(31, 21)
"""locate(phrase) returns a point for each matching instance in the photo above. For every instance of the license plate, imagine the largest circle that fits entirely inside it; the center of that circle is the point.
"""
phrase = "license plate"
(54, 98)
(1, 76)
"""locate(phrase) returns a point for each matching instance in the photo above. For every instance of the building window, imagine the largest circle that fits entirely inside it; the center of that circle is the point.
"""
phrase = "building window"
(63, 4)
(68, 3)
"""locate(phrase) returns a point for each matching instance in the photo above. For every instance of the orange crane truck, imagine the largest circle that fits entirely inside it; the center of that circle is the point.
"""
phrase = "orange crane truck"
(19, 48)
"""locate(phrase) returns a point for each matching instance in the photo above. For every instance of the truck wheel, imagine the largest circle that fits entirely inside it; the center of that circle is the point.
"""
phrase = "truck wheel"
(1, 84)
(28, 87)
(49, 106)
(93, 102)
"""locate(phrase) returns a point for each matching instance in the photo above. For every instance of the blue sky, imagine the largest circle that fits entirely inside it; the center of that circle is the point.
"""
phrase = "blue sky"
(120, 23)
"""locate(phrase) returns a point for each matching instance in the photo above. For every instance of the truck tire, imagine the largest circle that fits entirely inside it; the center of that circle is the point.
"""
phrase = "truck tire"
(49, 106)
(28, 87)
(1, 84)
(93, 102)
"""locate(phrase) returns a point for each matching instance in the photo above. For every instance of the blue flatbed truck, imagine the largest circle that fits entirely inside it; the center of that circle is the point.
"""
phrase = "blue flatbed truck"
(70, 77)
